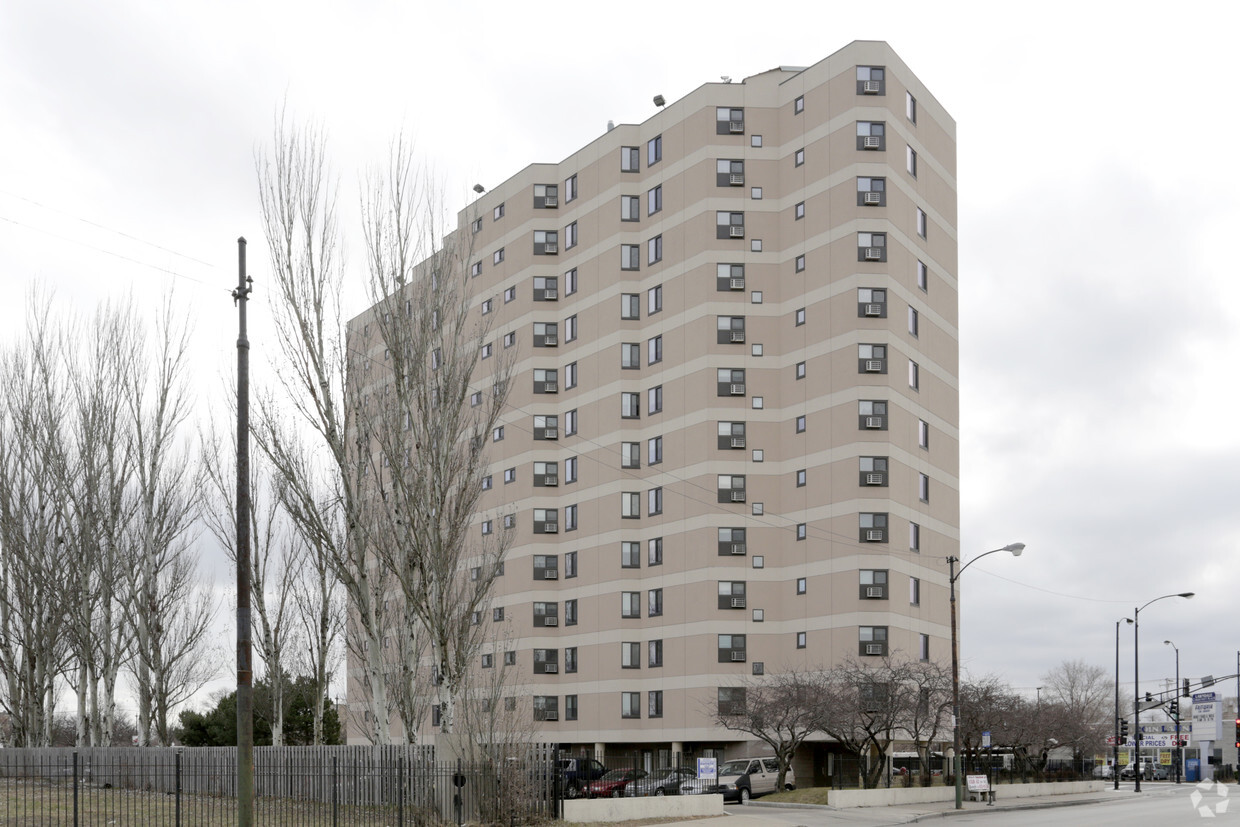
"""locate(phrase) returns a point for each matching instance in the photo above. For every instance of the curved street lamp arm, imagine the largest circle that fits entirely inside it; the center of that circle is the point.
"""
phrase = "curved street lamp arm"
(1014, 548)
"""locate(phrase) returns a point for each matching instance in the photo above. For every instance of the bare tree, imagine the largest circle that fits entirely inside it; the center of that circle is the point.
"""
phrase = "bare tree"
(779, 711)
(928, 715)
(1081, 696)
(427, 436)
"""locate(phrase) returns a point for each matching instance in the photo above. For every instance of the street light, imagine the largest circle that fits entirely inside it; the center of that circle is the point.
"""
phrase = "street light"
(1115, 749)
(1136, 681)
(952, 576)
(1179, 751)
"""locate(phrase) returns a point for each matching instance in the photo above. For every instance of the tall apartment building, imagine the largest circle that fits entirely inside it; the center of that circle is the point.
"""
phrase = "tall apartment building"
(732, 438)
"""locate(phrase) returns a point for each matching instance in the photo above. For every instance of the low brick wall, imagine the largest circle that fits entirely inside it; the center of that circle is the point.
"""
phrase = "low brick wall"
(923, 795)
(598, 810)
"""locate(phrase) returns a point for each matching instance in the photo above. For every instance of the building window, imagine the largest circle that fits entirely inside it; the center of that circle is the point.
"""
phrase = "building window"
(510, 339)
(497, 614)
(546, 661)
(546, 380)
(486, 306)
(545, 289)
(910, 107)
(475, 269)
(546, 334)
(913, 321)
(546, 521)
(873, 584)
(570, 660)
(630, 655)
(799, 210)
(630, 505)
(873, 470)
(570, 328)
(731, 648)
(654, 399)
(629, 208)
(630, 604)
(871, 246)
(921, 222)
(570, 189)
(655, 652)
(801, 528)
(730, 382)
(488, 661)
(570, 282)
(630, 455)
(570, 375)
(730, 435)
(654, 551)
(872, 135)
(873, 527)
(630, 555)
(570, 564)
(630, 704)
(800, 370)
(871, 80)
(755, 141)
(731, 700)
(729, 121)
(731, 488)
(510, 475)
(731, 541)
(873, 640)
(546, 427)
(654, 150)
(654, 300)
(497, 433)
(654, 200)
(486, 483)
(546, 242)
(570, 236)
(914, 537)
(923, 276)
(570, 612)
(800, 640)
(729, 329)
(630, 158)
(729, 224)
(475, 399)
(629, 257)
(497, 213)
(654, 603)
(871, 192)
(570, 704)
(798, 157)
(923, 488)
(729, 172)
(654, 501)
(800, 424)
(923, 434)
(914, 375)
(798, 105)
(654, 350)
(801, 476)
(546, 474)
(546, 196)
(497, 256)
(800, 316)
(654, 450)
(630, 405)
(871, 358)
(570, 422)
(872, 415)
(801, 585)
(914, 591)
(487, 527)
(630, 355)
(630, 306)
(476, 226)
(910, 160)
(729, 277)
(654, 249)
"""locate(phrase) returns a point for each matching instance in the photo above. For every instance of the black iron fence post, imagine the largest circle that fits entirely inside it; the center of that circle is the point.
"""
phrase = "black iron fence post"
(75, 788)
(400, 791)
(335, 786)
(177, 786)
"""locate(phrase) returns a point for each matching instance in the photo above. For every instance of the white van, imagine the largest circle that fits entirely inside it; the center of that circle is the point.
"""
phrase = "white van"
(742, 778)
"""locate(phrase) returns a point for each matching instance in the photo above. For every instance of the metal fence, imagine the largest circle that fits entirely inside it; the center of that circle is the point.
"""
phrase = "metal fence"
(338, 786)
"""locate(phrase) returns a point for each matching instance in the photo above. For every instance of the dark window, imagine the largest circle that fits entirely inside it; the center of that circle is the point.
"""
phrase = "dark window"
(871, 80)
(731, 700)
(731, 648)
(729, 121)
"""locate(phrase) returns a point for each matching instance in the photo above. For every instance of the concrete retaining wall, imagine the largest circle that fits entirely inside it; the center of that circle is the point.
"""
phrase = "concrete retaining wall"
(923, 795)
(624, 809)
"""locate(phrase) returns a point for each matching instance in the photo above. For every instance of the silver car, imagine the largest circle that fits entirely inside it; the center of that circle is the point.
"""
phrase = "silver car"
(663, 781)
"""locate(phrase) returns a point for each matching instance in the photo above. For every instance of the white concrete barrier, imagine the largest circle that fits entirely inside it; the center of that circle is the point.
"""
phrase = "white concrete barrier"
(599, 810)
(923, 795)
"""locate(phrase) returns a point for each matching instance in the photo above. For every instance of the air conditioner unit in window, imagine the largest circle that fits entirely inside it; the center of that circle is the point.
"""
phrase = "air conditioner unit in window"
(873, 253)
(736, 178)
(738, 335)
(551, 621)
(551, 481)
(873, 199)
(551, 433)
(551, 201)
(551, 528)
(874, 422)
(551, 340)
(872, 142)
(873, 591)
(872, 87)
(551, 294)
(874, 535)
(874, 648)
(553, 715)
(873, 310)
(736, 126)
(738, 603)
(874, 365)
(874, 479)
(737, 390)
(550, 248)
(737, 284)
(736, 231)
(551, 668)
(550, 387)
(551, 574)
(738, 656)
(738, 442)
(738, 496)
(738, 548)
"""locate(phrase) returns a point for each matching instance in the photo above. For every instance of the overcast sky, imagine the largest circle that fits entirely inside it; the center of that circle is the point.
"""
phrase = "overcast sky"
(1098, 305)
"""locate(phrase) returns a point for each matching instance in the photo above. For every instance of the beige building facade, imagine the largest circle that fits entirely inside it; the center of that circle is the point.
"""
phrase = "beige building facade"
(731, 442)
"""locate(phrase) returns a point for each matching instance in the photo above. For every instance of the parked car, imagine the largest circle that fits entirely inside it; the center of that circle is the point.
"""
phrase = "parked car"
(1160, 773)
(743, 778)
(1130, 771)
(1104, 771)
(575, 773)
(663, 781)
(612, 783)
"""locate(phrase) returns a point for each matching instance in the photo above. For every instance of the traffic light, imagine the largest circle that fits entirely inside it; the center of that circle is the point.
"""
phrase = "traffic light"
(1238, 733)
(1186, 693)
(1123, 730)
(1149, 698)
(1173, 707)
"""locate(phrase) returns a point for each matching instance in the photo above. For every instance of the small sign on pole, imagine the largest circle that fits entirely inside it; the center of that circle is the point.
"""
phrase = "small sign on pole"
(986, 739)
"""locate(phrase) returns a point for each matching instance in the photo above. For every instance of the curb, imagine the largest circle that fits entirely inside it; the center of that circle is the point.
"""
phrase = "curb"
(1040, 805)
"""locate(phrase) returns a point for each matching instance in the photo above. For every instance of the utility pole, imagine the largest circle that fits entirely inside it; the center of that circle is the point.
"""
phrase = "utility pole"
(245, 668)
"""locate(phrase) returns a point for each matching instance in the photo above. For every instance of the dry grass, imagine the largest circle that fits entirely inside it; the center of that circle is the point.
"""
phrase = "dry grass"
(805, 795)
